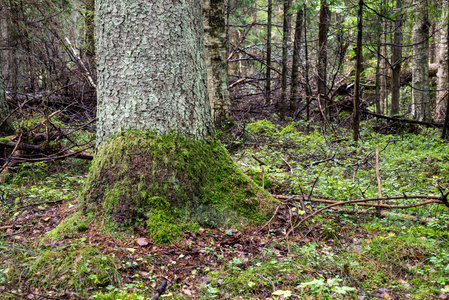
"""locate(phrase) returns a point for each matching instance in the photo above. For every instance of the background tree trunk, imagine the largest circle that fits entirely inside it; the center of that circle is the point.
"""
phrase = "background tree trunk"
(443, 64)
(268, 83)
(217, 66)
(396, 61)
(285, 38)
(294, 91)
(89, 34)
(6, 128)
(151, 72)
(358, 68)
(322, 54)
(420, 82)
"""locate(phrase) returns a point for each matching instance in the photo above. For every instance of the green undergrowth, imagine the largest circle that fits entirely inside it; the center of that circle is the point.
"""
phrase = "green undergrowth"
(171, 184)
(78, 266)
(300, 159)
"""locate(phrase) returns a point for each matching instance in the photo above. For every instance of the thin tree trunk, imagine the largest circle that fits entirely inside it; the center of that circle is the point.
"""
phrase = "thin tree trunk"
(443, 64)
(285, 38)
(268, 70)
(217, 70)
(358, 67)
(383, 70)
(420, 68)
(89, 35)
(396, 61)
(323, 29)
(307, 66)
(6, 127)
(294, 92)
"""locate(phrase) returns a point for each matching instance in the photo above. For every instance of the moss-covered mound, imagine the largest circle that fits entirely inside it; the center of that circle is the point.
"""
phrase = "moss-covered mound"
(171, 183)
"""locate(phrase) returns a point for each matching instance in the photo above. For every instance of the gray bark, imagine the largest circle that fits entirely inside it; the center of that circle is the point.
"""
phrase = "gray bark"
(6, 127)
(89, 35)
(151, 68)
(443, 64)
(420, 62)
(268, 83)
(396, 61)
(358, 68)
(323, 29)
(217, 67)
(294, 92)
(285, 38)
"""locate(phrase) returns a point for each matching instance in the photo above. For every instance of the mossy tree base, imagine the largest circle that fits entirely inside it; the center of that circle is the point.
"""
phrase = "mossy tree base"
(171, 184)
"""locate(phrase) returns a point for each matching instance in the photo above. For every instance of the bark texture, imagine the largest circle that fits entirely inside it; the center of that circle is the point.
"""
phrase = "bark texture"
(443, 64)
(268, 83)
(6, 128)
(151, 68)
(322, 53)
(285, 40)
(294, 92)
(396, 61)
(420, 81)
(358, 68)
(217, 67)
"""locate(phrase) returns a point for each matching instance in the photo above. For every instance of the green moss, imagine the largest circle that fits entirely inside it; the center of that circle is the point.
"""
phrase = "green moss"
(171, 183)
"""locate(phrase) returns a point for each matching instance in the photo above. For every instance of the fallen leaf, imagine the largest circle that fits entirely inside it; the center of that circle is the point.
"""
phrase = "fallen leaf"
(132, 250)
(142, 241)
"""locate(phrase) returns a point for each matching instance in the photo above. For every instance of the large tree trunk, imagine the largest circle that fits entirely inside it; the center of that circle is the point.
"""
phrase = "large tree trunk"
(294, 92)
(285, 38)
(157, 160)
(396, 61)
(443, 64)
(420, 82)
(217, 66)
(151, 74)
(323, 29)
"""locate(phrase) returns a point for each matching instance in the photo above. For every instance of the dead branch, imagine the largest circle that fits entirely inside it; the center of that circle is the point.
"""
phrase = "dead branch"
(432, 199)
(41, 149)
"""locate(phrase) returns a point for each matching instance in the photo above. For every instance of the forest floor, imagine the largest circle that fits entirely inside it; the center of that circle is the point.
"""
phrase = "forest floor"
(349, 252)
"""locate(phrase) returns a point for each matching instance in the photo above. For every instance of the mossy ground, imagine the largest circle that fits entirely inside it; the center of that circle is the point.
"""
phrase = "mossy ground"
(171, 184)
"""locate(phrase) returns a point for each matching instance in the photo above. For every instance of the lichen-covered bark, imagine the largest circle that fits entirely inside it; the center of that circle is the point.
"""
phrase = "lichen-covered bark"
(396, 62)
(420, 70)
(217, 67)
(443, 64)
(151, 68)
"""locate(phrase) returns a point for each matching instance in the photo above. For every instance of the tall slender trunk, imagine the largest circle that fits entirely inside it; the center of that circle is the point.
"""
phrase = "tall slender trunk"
(6, 126)
(268, 82)
(307, 66)
(217, 67)
(294, 92)
(285, 38)
(323, 29)
(396, 61)
(420, 69)
(89, 34)
(358, 67)
(443, 64)
(383, 67)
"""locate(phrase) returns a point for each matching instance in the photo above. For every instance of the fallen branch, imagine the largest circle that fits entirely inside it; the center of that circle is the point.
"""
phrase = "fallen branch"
(161, 289)
(41, 150)
(433, 199)
(360, 202)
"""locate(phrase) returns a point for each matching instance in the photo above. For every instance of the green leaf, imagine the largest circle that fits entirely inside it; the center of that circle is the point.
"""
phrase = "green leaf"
(285, 293)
